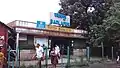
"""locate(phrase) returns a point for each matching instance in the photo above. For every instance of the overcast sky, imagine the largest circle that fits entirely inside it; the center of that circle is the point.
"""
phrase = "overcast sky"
(27, 10)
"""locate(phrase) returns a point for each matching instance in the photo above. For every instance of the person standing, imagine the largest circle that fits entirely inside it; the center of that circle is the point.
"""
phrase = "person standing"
(5, 60)
(39, 54)
(44, 48)
(2, 59)
(57, 50)
(54, 57)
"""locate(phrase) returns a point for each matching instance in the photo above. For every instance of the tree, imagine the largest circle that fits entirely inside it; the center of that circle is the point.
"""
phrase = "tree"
(112, 24)
(109, 31)
(91, 20)
(76, 10)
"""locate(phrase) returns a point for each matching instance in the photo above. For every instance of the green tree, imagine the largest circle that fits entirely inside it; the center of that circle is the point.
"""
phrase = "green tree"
(76, 10)
(80, 18)
(112, 24)
(109, 31)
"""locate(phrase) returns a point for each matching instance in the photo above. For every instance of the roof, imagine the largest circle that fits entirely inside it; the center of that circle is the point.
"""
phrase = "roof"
(12, 30)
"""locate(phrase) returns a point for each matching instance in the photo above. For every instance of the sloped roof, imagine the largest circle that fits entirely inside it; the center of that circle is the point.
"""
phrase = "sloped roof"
(12, 30)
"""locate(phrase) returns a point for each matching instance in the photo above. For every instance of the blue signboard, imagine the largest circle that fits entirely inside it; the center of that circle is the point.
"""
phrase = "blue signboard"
(59, 19)
(59, 15)
(41, 25)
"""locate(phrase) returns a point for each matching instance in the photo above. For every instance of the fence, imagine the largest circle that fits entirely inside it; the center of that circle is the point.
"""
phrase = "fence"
(70, 58)
(73, 58)
(13, 58)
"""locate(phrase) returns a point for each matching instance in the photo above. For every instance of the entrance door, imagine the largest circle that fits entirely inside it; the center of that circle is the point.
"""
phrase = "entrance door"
(62, 43)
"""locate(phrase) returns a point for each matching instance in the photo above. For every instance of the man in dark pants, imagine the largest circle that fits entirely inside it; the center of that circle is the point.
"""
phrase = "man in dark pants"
(39, 54)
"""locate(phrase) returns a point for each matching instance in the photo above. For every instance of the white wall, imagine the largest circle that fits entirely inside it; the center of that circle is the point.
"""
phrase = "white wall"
(41, 41)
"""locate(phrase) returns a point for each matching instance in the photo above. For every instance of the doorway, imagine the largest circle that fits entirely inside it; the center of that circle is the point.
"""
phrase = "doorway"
(62, 43)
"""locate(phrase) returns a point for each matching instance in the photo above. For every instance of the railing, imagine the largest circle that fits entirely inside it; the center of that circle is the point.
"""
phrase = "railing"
(13, 60)
(62, 59)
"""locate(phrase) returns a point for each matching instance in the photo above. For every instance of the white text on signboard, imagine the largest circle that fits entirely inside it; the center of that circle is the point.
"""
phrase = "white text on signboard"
(59, 19)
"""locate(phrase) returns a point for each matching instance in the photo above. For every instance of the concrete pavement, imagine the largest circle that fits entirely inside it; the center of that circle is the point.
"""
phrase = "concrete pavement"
(104, 64)
(64, 60)
(34, 62)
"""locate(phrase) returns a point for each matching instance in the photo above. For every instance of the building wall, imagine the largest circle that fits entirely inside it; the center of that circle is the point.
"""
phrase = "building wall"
(4, 33)
(27, 45)
(26, 41)
(30, 40)
(79, 43)
(41, 40)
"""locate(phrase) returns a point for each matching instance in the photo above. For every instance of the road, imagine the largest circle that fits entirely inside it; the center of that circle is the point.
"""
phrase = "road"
(99, 65)
(111, 64)
(104, 65)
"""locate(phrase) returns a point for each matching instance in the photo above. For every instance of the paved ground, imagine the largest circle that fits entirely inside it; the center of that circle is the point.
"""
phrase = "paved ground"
(104, 65)
(99, 65)
(111, 64)
(64, 60)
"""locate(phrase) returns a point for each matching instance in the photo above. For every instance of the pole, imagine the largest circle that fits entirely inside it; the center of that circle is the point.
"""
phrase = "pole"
(68, 56)
(17, 50)
(88, 53)
(46, 57)
(62, 58)
(102, 50)
(112, 53)
(13, 64)
(9, 58)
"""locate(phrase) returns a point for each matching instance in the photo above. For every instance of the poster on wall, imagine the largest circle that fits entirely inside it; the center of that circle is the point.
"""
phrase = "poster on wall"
(59, 19)
(41, 41)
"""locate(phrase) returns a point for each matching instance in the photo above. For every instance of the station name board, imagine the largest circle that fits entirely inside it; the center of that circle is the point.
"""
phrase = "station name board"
(59, 19)
(61, 29)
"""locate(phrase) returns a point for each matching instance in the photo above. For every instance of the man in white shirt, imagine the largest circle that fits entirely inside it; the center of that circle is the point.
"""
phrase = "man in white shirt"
(39, 54)
(57, 50)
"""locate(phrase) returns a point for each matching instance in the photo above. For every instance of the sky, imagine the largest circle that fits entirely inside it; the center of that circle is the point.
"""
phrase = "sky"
(27, 10)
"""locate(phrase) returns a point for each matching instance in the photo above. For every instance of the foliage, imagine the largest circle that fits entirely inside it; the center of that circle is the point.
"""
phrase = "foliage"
(112, 24)
(76, 10)
(109, 31)
(81, 19)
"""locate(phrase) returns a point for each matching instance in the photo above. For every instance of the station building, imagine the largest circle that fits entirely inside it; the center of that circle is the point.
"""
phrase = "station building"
(51, 35)
(57, 32)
